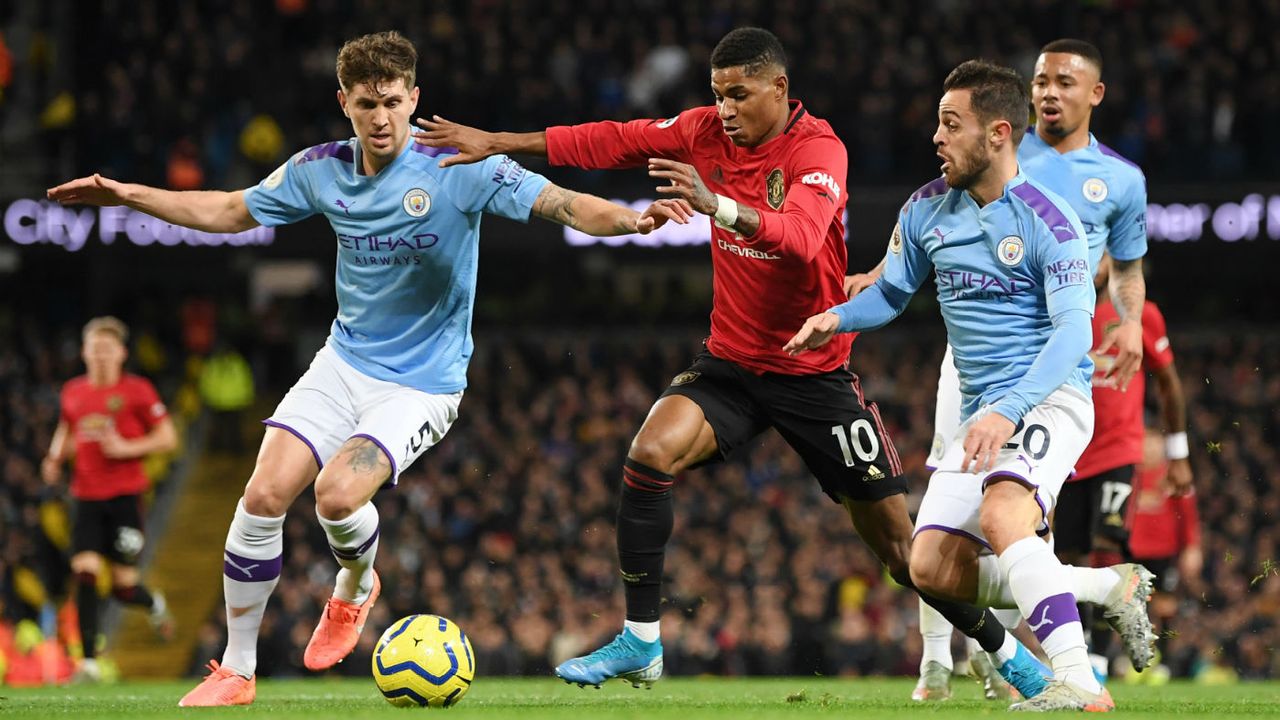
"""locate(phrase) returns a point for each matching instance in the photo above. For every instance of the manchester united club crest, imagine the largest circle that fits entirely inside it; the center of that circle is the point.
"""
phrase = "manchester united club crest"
(114, 403)
(777, 192)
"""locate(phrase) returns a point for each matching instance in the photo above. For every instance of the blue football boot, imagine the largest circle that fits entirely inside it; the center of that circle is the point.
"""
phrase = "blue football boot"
(627, 657)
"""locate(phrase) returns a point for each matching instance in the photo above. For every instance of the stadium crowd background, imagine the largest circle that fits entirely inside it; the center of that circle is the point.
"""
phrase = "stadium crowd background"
(507, 525)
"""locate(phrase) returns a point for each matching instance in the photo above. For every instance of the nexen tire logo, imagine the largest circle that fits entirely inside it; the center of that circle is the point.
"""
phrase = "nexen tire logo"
(823, 179)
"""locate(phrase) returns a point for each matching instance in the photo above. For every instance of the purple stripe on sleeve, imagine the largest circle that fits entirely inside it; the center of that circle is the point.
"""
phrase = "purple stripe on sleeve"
(1112, 153)
(245, 569)
(350, 554)
(433, 151)
(933, 189)
(1052, 613)
(277, 424)
(337, 149)
(953, 531)
(1044, 208)
(395, 472)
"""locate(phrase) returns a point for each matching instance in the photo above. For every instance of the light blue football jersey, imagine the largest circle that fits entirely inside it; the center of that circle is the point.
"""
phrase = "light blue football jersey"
(1108, 192)
(1004, 272)
(408, 250)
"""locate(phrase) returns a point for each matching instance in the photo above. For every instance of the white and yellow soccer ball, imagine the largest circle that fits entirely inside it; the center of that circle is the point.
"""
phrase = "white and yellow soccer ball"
(423, 660)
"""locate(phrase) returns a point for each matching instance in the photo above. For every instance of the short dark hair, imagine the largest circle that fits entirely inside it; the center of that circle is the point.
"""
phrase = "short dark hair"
(997, 92)
(1072, 46)
(375, 59)
(752, 48)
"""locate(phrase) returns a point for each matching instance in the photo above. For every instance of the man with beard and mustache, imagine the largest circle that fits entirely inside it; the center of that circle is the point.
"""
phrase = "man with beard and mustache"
(1012, 266)
(1109, 194)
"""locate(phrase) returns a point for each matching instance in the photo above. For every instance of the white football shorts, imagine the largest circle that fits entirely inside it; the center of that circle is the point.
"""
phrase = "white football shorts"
(946, 411)
(1041, 455)
(333, 402)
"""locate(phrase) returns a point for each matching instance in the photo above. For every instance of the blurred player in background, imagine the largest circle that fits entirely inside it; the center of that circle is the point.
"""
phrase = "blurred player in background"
(1109, 194)
(1014, 285)
(110, 421)
(1164, 535)
(1091, 524)
(772, 177)
(387, 384)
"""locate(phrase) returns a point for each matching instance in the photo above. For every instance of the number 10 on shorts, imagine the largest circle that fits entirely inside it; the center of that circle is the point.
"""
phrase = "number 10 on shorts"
(860, 439)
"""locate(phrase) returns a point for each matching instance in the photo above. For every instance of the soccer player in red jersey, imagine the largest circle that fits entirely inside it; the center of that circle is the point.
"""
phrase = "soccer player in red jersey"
(110, 421)
(1091, 518)
(1164, 535)
(773, 178)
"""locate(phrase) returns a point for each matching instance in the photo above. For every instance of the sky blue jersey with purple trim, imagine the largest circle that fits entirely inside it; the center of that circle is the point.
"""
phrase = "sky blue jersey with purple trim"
(1004, 273)
(408, 250)
(1108, 192)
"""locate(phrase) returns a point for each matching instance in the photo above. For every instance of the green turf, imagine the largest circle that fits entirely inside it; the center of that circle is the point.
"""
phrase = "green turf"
(683, 698)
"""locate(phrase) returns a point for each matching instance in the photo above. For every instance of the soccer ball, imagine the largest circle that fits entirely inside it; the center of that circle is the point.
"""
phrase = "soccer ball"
(423, 660)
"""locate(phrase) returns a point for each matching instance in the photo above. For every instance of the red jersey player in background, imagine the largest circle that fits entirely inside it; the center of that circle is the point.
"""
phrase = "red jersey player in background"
(1090, 520)
(773, 178)
(110, 421)
(1164, 535)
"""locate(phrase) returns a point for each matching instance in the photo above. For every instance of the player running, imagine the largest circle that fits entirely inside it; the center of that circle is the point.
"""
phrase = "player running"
(1109, 194)
(111, 420)
(387, 384)
(1011, 262)
(773, 178)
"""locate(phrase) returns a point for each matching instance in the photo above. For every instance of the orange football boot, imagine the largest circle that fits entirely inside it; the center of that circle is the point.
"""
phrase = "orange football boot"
(222, 686)
(339, 629)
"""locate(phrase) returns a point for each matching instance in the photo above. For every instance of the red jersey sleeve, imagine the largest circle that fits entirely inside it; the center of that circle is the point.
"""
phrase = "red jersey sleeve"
(147, 404)
(1188, 520)
(1156, 353)
(814, 195)
(610, 145)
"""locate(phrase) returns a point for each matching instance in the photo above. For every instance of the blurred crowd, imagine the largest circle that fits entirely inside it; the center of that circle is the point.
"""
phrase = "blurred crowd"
(507, 525)
(215, 93)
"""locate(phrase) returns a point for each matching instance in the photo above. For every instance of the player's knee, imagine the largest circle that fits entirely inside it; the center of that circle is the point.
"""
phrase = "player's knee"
(337, 498)
(265, 499)
(654, 453)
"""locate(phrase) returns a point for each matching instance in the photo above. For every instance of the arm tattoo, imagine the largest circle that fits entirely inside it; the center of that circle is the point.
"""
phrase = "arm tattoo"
(1128, 288)
(364, 456)
(556, 204)
(748, 221)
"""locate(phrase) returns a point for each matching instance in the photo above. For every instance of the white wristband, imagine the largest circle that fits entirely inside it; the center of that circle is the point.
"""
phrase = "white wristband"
(726, 212)
(1175, 446)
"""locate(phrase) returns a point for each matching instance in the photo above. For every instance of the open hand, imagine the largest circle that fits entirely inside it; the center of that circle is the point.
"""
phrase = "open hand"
(686, 184)
(817, 331)
(92, 190)
(473, 145)
(657, 215)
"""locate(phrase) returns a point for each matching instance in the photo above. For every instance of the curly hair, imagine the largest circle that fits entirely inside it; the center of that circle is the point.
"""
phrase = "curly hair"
(375, 59)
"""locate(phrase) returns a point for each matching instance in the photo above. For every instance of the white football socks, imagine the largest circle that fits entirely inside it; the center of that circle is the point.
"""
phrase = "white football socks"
(250, 571)
(354, 542)
(935, 630)
(645, 631)
(1043, 592)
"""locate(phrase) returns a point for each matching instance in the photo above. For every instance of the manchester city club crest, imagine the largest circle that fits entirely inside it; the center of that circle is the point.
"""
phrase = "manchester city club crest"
(1011, 250)
(1095, 190)
(777, 192)
(417, 202)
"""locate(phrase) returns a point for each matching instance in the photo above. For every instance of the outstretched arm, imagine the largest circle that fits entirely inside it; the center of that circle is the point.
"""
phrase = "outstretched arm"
(473, 144)
(597, 216)
(207, 210)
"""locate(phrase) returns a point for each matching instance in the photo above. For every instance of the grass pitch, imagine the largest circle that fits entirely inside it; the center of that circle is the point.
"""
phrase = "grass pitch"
(682, 698)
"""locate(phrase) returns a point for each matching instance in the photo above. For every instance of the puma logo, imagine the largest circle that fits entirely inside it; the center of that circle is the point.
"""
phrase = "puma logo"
(248, 571)
(1044, 620)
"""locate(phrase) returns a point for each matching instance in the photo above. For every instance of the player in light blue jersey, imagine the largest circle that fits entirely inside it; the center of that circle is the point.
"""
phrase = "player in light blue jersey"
(1011, 264)
(387, 384)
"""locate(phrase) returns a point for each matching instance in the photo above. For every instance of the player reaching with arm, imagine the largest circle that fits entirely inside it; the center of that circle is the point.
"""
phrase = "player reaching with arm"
(387, 384)
(773, 178)
(1011, 264)
(110, 421)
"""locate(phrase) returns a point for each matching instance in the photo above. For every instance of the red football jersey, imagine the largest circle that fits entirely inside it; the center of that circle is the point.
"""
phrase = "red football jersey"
(133, 408)
(1160, 525)
(766, 285)
(1117, 416)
